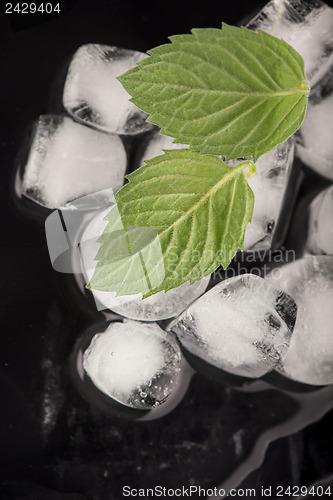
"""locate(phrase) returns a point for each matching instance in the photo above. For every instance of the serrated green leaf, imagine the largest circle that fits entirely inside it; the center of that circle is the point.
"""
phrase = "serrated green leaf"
(180, 216)
(230, 92)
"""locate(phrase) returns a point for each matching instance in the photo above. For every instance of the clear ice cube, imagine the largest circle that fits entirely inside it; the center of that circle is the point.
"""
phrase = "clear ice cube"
(310, 282)
(306, 25)
(320, 224)
(269, 186)
(137, 364)
(314, 138)
(157, 307)
(68, 160)
(92, 93)
(242, 325)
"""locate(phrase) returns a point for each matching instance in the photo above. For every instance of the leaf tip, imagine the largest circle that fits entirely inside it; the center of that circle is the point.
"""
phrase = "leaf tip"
(304, 86)
(225, 25)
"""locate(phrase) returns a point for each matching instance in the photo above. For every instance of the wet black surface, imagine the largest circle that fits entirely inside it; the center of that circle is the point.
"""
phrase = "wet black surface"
(54, 443)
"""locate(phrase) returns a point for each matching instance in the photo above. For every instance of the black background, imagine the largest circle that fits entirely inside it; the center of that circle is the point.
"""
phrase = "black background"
(83, 452)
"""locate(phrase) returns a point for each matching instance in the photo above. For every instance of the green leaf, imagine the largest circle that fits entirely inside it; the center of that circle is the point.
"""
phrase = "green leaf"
(230, 92)
(180, 216)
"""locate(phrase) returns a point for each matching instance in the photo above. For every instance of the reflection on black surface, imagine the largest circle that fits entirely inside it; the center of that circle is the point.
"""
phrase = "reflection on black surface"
(77, 447)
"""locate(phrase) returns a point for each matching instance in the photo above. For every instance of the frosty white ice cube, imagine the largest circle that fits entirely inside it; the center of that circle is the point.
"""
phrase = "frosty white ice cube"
(92, 93)
(68, 160)
(137, 364)
(320, 225)
(242, 325)
(310, 282)
(159, 306)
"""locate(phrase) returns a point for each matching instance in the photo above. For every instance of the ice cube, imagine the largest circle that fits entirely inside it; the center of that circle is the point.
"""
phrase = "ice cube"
(92, 93)
(137, 364)
(270, 187)
(159, 306)
(320, 226)
(68, 160)
(242, 325)
(314, 138)
(157, 143)
(310, 282)
(306, 25)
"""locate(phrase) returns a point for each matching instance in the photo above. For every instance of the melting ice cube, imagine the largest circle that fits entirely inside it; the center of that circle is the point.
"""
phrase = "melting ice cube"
(320, 226)
(314, 139)
(270, 190)
(93, 94)
(270, 187)
(242, 325)
(137, 364)
(159, 306)
(68, 160)
(306, 25)
(310, 282)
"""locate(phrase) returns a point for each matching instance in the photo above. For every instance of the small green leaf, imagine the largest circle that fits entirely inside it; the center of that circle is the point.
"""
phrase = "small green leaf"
(230, 92)
(180, 216)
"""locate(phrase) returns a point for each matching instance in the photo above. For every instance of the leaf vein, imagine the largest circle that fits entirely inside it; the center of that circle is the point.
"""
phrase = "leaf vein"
(210, 63)
(154, 196)
(263, 69)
